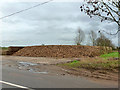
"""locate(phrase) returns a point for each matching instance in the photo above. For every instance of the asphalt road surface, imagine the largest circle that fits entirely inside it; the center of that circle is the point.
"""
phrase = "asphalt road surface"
(14, 78)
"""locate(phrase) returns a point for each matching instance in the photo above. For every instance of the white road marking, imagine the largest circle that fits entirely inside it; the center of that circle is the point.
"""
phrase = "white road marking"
(15, 85)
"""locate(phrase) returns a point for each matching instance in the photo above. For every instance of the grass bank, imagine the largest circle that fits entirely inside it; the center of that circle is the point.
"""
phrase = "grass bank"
(104, 62)
(110, 55)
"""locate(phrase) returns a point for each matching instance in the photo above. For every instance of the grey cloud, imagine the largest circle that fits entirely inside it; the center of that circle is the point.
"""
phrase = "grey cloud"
(53, 23)
(112, 26)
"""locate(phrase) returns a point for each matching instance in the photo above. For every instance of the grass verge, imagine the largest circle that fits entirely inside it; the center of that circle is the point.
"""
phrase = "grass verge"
(101, 63)
(94, 64)
(110, 55)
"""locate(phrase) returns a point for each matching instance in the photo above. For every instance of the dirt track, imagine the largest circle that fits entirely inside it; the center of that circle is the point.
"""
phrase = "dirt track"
(39, 60)
(38, 64)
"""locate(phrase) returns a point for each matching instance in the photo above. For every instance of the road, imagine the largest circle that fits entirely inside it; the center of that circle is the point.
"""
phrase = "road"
(36, 80)
(15, 78)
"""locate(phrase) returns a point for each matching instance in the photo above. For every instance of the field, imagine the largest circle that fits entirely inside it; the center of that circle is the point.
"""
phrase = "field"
(82, 60)
(110, 55)
(105, 64)
(3, 48)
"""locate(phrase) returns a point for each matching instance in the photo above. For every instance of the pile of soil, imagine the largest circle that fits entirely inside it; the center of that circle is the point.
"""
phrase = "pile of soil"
(60, 51)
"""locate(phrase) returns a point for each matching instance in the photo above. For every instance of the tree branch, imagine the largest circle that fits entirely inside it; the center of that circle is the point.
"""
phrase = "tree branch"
(110, 33)
(111, 14)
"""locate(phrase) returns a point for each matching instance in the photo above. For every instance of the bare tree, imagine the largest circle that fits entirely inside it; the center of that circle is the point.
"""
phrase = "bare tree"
(79, 37)
(104, 42)
(93, 37)
(106, 10)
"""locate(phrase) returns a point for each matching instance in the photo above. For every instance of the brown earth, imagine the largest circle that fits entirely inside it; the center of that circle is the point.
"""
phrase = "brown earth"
(60, 51)
(99, 74)
(45, 64)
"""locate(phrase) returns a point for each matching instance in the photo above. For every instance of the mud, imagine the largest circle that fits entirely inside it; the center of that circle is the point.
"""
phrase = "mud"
(34, 66)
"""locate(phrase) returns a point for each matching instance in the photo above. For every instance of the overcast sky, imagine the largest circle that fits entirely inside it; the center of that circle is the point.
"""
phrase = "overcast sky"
(52, 23)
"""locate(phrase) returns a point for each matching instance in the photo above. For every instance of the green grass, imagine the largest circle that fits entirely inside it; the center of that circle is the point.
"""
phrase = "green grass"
(110, 55)
(74, 62)
(4, 48)
(93, 64)
(102, 63)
